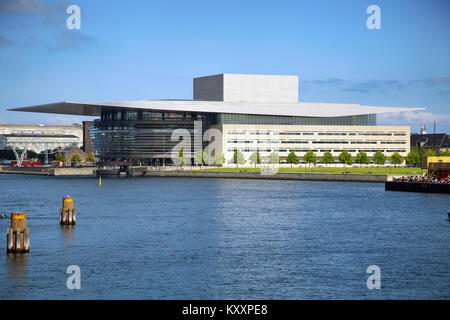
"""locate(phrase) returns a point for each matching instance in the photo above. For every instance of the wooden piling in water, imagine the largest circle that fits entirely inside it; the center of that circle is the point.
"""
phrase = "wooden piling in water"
(67, 214)
(18, 236)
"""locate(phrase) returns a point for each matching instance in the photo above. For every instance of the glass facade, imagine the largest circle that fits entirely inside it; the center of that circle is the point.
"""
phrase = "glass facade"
(145, 136)
(231, 118)
(142, 136)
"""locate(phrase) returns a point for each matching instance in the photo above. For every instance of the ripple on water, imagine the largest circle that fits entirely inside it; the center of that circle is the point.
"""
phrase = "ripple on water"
(169, 238)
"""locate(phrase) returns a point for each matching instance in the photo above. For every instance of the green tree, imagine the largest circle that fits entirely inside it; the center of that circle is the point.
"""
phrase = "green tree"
(445, 153)
(362, 158)
(219, 158)
(414, 158)
(310, 157)
(181, 159)
(90, 157)
(60, 157)
(255, 158)
(345, 157)
(379, 158)
(238, 158)
(396, 158)
(75, 158)
(292, 158)
(274, 158)
(426, 153)
(429, 153)
(422, 152)
(327, 158)
(201, 158)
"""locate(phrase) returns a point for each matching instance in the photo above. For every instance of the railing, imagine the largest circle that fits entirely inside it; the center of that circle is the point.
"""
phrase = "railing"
(439, 166)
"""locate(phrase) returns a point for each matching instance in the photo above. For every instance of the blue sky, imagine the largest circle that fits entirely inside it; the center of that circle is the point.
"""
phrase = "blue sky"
(131, 50)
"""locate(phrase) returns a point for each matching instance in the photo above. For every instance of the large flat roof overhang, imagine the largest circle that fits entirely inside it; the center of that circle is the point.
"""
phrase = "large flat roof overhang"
(300, 109)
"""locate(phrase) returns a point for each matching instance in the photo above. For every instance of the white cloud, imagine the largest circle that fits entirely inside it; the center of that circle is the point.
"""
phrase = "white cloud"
(415, 120)
(25, 6)
(61, 120)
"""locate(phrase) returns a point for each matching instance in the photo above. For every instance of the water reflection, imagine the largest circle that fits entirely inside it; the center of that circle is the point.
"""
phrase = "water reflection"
(67, 233)
(17, 264)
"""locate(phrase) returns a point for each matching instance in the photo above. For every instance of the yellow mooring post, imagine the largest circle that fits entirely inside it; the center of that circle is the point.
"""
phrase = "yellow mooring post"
(67, 213)
(100, 181)
(18, 236)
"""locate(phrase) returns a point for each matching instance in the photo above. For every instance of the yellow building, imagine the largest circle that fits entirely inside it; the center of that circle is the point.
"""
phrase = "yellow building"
(437, 165)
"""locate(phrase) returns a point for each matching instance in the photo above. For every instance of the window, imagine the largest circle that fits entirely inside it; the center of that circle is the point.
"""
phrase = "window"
(130, 115)
(173, 115)
(117, 115)
(151, 115)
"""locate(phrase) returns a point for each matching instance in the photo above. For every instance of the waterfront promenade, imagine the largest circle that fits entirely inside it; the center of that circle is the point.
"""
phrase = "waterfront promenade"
(47, 171)
(196, 172)
(314, 176)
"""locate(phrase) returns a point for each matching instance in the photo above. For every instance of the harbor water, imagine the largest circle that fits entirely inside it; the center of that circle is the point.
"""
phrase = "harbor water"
(187, 238)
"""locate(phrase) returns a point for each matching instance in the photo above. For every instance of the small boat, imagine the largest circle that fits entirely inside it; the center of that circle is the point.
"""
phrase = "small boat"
(2, 215)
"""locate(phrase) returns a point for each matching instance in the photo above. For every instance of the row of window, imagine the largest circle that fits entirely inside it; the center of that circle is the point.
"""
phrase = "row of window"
(396, 134)
(295, 141)
(230, 118)
(258, 141)
(332, 133)
(314, 142)
(146, 115)
(296, 133)
(313, 150)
